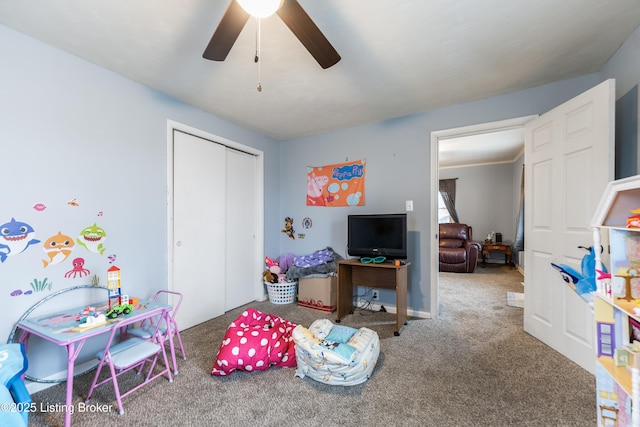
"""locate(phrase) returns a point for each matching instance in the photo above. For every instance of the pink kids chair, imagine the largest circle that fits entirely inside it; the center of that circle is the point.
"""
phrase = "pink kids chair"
(132, 353)
(145, 330)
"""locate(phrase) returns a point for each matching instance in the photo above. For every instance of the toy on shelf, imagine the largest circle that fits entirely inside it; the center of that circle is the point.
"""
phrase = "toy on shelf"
(634, 220)
(604, 283)
(627, 274)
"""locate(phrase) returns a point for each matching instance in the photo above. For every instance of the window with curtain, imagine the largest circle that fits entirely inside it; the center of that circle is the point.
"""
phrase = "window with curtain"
(443, 212)
(448, 195)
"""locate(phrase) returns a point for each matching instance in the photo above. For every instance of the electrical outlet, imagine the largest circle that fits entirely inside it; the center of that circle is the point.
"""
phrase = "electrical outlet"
(375, 295)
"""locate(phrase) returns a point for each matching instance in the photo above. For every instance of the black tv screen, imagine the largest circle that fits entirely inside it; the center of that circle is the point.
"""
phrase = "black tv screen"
(377, 235)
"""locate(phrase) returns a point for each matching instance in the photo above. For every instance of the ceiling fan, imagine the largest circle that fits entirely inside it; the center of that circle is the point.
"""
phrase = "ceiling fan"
(293, 16)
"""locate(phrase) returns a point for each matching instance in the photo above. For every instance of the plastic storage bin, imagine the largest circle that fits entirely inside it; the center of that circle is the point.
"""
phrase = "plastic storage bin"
(282, 293)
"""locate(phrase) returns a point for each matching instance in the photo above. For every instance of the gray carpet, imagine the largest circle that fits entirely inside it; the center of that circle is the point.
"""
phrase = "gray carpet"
(474, 366)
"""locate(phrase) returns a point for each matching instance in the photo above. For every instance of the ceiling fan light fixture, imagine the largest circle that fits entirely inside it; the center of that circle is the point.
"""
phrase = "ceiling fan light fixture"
(260, 8)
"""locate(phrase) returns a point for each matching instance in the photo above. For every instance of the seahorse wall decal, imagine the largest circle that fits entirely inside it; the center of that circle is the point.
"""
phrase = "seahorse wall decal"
(92, 238)
(15, 238)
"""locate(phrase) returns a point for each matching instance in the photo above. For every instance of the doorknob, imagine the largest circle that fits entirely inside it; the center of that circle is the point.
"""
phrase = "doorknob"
(179, 243)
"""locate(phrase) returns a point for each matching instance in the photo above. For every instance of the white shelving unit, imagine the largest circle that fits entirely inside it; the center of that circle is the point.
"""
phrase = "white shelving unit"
(617, 306)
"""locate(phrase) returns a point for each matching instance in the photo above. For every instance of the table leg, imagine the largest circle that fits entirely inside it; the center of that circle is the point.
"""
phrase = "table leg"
(71, 357)
(401, 299)
(344, 291)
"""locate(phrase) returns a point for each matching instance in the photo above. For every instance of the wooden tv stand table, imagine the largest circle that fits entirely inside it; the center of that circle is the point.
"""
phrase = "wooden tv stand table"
(385, 275)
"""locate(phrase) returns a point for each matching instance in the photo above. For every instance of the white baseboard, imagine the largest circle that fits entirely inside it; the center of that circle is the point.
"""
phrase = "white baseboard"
(410, 312)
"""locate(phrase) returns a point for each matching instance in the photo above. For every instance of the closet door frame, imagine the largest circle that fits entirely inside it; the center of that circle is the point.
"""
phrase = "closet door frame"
(255, 260)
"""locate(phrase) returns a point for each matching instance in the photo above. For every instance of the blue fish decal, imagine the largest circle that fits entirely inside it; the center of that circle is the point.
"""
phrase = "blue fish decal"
(15, 237)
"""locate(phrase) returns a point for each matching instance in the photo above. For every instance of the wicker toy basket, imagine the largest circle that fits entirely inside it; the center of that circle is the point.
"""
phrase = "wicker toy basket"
(282, 293)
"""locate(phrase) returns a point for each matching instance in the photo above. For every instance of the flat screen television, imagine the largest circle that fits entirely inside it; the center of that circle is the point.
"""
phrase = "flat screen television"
(377, 235)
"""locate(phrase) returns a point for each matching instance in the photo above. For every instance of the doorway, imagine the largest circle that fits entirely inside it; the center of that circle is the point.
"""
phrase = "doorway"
(215, 223)
(437, 139)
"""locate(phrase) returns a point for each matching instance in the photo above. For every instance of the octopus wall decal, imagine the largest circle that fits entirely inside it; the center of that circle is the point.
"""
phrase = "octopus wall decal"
(78, 269)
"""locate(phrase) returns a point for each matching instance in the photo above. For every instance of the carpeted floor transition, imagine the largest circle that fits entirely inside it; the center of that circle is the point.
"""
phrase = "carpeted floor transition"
(473, 366)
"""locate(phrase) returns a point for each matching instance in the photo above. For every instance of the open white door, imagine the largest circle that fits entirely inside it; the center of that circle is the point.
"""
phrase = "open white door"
(569, 159)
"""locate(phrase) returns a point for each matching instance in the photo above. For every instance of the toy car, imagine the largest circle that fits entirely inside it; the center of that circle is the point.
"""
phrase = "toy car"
(117, 310)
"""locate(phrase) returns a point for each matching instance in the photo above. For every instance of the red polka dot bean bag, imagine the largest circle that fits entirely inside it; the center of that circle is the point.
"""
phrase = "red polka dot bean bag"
(255, 341)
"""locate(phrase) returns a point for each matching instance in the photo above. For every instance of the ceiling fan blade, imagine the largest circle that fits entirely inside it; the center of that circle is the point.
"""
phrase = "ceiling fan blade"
(227, 32)
(308, 33)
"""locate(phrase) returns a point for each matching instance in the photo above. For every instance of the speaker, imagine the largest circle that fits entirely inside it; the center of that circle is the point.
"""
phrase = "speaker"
(498, 237)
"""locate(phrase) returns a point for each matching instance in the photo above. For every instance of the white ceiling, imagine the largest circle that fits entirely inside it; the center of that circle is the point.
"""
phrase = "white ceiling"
(501, 146)
(399, 57)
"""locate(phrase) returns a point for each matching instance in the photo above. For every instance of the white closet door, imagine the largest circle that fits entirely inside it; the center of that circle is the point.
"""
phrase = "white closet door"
(199, 217)
(241, 234)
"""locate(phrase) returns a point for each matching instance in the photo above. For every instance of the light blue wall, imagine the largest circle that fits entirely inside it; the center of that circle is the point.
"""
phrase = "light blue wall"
(624, 66)
(488, 198)
(390, 182)
(398, 169)
(73, 130)
(484, 199)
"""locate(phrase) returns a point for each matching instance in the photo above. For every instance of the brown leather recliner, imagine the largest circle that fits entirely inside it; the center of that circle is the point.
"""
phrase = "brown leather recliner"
(458, 253)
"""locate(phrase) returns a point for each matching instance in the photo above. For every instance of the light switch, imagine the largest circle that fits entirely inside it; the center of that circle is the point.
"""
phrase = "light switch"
(409, 205)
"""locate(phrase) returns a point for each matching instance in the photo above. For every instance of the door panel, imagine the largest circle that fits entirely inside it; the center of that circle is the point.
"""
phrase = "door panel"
(198, 228)
(540, 297)
(241, 233)
(568, 163)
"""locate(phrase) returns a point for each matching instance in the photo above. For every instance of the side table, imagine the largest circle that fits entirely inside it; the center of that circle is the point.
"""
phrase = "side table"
(496, 247)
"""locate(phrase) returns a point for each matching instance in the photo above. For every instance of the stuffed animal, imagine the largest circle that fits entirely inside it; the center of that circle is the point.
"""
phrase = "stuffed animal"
(285, 261)
(272, 266)
(288, 228)
(269, 277)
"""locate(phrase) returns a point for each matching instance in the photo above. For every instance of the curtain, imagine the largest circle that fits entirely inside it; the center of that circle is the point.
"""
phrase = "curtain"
(519, 240)
(448, 192)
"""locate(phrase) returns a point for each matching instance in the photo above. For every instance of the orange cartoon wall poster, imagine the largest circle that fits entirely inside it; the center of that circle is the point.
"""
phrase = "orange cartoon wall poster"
(341, 184)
